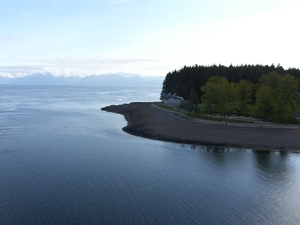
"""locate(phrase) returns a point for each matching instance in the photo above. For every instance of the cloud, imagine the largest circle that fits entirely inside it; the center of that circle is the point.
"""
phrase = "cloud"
(6, 75)
(118, 1)
(28, 14)
(57, 5)
(6, 38)
(85, 66)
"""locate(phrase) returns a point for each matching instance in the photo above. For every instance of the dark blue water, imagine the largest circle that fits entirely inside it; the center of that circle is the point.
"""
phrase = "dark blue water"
(64, 161)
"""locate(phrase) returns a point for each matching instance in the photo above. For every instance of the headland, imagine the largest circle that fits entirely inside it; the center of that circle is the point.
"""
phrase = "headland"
(147, 120)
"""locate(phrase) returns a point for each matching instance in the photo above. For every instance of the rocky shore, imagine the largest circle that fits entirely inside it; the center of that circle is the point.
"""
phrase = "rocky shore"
(146, 120)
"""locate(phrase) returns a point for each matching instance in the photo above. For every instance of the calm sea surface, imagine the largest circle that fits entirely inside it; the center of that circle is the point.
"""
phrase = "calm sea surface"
(64, 161)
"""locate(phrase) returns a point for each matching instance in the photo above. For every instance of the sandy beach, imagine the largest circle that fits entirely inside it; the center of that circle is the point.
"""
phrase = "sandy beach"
(147, 120)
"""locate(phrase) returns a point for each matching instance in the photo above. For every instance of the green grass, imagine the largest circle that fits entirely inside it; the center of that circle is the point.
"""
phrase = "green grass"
(221, 118)
(239, 121)
(189, 115)
(164, 106)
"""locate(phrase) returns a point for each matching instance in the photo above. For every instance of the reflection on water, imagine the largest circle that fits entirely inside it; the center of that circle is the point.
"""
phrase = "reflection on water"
(270, 161)
(273, 165)
(64, 161)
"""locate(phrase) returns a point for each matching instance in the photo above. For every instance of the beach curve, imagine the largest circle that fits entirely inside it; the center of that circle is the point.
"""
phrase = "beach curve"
(146, 120)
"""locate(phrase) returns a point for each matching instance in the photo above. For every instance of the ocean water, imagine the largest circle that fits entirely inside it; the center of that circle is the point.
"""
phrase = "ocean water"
(64, 161)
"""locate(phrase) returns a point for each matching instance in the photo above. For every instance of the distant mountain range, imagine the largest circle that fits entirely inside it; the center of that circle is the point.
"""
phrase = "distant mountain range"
(105, 80)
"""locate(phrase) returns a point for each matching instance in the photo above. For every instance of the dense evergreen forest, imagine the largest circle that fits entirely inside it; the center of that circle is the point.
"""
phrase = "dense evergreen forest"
(269, 92)
(183, 81)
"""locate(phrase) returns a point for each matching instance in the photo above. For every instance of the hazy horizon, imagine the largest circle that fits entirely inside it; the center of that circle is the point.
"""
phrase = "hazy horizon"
(119, 79)
(80, 38)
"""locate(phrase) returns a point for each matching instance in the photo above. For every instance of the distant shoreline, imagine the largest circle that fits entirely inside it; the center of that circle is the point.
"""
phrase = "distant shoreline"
(148, 121)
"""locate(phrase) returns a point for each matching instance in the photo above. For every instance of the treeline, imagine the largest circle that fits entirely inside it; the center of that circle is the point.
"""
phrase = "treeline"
(188, 80)
(268, 92)
(276, 97)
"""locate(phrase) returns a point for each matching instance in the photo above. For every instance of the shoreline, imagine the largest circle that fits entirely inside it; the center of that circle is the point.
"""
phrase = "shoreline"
(146, 120)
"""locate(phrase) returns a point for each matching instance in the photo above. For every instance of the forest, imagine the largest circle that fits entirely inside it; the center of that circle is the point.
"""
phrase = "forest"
(267, 92)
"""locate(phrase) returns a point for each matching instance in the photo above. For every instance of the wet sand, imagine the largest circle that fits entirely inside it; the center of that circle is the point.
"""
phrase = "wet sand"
(146, 120)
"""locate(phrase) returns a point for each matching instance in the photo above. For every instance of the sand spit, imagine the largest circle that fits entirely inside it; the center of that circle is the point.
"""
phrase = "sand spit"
(146, 120)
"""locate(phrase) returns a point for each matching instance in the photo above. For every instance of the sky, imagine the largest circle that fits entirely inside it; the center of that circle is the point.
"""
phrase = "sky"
(145, 37)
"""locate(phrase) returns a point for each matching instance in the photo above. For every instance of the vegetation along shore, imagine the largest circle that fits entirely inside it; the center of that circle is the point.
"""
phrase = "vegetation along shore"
(149, 121)
(267, 92)
(254, 107)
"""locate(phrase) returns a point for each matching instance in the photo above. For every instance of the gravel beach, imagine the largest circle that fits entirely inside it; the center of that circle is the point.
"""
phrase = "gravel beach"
(146, 120)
